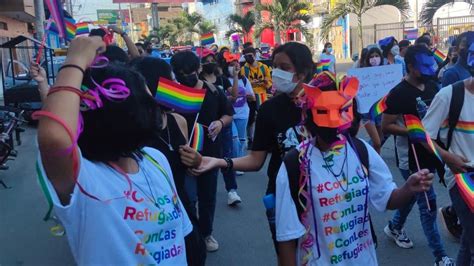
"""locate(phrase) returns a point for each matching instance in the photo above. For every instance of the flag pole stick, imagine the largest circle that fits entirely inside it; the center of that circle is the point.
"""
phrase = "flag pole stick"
(418, 166)
(43, 43)
(192, 130)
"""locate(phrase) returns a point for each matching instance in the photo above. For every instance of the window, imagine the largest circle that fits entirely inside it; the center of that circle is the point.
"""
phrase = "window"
(3, 25)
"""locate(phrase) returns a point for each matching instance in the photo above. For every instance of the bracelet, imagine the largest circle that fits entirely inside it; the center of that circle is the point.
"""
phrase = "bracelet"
(230, 164)
(80, 93)
(222, 122)
(72, 66)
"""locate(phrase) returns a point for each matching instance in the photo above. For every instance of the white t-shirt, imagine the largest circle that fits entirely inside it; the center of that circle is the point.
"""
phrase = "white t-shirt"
(436, 120)
(343, 236)
(331, 57)
(241, 107)
(128, 231)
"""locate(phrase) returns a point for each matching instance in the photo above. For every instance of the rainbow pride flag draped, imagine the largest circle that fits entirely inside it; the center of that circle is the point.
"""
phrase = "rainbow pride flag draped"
(197, 142)
(378, 108)
(57, 15)
(179, 97)
(323, 65)
(439, 56)
(70, 28)
(82, 28)
(260, 98)
(207, 38)
(418, 134)
(465, 184)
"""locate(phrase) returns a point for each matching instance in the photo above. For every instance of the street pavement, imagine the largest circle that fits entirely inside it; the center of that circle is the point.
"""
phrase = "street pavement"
(242, 232)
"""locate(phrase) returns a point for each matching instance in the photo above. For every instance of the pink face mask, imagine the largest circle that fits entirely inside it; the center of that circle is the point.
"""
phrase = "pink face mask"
(375, 61)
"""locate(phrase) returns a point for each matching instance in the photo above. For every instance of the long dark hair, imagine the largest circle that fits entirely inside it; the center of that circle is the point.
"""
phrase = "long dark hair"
(152, 69)
(370, 52)
(300, 56)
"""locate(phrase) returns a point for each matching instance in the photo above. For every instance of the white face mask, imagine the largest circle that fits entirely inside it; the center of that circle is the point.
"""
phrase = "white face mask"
(283, 81)
(231, 70)
(374, 61)
(395, 50)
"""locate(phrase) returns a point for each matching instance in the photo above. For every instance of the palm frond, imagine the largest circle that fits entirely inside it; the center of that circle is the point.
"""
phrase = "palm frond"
(402, 5)
(340, 10)
(260, 28)
(232, 31)
(429, 9)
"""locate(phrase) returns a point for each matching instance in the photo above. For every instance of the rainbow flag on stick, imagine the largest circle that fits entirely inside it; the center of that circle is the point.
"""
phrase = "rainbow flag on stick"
(323, 65)
(57, 14)
(197, 142)
(82, 28)
(465, 184)
(207, 38)
(418, 134)
(179, 97)
(439, 56)
(260, 98)
(70, 28)
(378, 108)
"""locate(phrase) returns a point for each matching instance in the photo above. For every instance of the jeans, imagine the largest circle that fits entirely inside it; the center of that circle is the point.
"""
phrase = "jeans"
(466, 218)
(203, 189)
(428, 218)
(229, 177)
(241, 125)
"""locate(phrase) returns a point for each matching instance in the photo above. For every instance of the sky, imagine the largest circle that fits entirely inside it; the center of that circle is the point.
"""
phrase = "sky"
(87, 9)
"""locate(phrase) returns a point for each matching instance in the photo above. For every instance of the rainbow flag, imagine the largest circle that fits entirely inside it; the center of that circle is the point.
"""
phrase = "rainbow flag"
(82, 28)
(260, 98)
(57, 14)
(207, 38)
(410, 34)
(378, 108)
(418, 134)
(70, 28)
(323, 65)
(465, 184)
(179, 97)
(198, 137)
(439, 56)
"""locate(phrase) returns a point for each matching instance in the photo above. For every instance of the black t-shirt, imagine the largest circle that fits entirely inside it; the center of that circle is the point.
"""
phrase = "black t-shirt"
(222, 83)
(215, 105)
(277, 131)
(402, 101)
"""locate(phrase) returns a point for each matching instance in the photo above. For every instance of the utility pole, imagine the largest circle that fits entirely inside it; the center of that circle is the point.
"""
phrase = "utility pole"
(39, 19)
(69, 7)
(155, 19)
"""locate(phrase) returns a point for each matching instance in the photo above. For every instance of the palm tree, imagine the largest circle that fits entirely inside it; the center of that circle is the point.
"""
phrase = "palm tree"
(430, 8)
(359, 7)
(205, 27)
(285, 15)
(241, 24)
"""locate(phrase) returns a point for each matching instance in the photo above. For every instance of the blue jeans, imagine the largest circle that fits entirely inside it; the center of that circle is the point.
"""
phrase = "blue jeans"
(466, 217)
(229, 177)
(241, 125)
(428, 218)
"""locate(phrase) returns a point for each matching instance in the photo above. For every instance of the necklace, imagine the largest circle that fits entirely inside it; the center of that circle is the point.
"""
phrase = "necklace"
(169, 138)
(329, 168)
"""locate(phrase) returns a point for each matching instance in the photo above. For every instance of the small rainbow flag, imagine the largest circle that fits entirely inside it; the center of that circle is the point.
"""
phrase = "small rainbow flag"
(207, 38)
(439, 56)
(70, 28)
(57, 14)
(323, 65)
(82, 28)
(465, 184)
(418, 134)
(260, 98)
(378, 108)
(179, 97)
(198, 137)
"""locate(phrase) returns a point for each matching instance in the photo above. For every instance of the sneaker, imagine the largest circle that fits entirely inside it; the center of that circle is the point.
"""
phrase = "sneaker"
(450, 222)
(399, 236)
(239, 173)
(233, 198)
(445, 261)
(211, 244)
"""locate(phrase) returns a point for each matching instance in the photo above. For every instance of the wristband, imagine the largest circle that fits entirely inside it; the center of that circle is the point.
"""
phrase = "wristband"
(230, 164)
(72, 66)
(222, 122)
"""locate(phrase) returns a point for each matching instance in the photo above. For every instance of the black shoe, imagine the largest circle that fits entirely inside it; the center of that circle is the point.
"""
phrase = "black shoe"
(450, 222)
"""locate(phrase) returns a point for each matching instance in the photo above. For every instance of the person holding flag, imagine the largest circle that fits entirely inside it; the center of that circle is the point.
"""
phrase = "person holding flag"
(412, 96)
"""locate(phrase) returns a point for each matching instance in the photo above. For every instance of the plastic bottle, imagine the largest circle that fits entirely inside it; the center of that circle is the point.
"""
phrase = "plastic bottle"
(421, 107)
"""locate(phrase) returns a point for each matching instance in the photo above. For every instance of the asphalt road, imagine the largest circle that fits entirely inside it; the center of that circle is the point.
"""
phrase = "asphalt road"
(242, 232)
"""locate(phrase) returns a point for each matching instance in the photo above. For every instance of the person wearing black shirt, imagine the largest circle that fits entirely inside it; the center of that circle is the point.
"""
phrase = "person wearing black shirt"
(277, 127)
(403, 100)
(216, 113)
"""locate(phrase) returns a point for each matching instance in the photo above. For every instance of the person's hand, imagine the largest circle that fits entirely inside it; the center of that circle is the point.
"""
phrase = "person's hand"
(37, 72)
(420, 181)
(456, 163)
(189, 156)
(236, 71)
(207, 164)
(115, 29)
(83, 50)
(215, 128)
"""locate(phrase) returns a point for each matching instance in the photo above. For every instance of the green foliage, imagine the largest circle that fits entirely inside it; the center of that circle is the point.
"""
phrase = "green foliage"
(430, 8)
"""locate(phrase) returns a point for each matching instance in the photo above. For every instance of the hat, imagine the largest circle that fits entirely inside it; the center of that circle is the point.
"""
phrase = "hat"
(386, 41)
(203, 52)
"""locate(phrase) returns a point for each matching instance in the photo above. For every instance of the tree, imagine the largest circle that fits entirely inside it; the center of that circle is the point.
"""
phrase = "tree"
(205, 27)
(285, 15)
(430, 8)
(359, 7)
(241, 24)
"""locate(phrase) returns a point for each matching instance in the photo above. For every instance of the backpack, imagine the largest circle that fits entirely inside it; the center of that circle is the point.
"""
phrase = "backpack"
(291, 161)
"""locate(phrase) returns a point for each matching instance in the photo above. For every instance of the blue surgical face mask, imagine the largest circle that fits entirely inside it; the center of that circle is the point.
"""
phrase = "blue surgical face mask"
(470, 56)
(425, 64)
(329, 49)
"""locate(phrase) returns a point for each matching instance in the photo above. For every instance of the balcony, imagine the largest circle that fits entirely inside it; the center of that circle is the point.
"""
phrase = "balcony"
(22, 10)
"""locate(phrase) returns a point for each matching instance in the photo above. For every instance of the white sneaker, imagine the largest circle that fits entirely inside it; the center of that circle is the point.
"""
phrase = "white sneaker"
(445, 261)
(399, 236)
(233, 198)
(211, 244)
(239, 173)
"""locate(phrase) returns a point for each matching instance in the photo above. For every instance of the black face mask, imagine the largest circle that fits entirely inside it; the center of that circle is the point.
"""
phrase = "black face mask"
(249, 59)
(209, 68)
(328, 135)
(454, 60)
(424, 78)
(187, 80)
